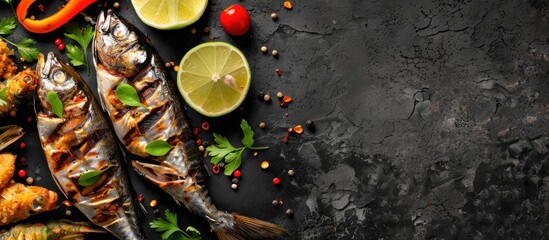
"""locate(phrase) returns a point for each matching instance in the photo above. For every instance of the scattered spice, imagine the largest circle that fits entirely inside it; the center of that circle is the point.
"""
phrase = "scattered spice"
(153, 203)
(140, 198)
(283, 104)
(206, 30)
(274, 16)
(205, 126)
(195, 131)
(264, 49)
(68, 213)
(116, 5)
(275, 202)
(280, 201)
(221, 164)
(262, 125)
(58, 41)
(264, 165)
(29, 119)
(61, 47)
(41, 7)
(289, 212)
(22, 173)
(287, 99)
(29, 180)
(67, 203)
(198, 142)
(286, 139)
(176, 68)
(201, 148)
(167, 65)
(288, 5)
(266, 98)
(274, 53)
(216, 169)
(205, 143)
(291, 131)
(235, 180)
(298, 129)
(278, 72)
(260, 95)
(193, 30)
(234, 186)
(291, 172)
(23, 161)
(276, 181)
(256, 153)
(23, 145)
(237, 173)
(279, 95)
(310, 125)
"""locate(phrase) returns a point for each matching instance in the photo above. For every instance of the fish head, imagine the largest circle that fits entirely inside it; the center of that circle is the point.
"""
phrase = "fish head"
(58, 77)
(117, 45)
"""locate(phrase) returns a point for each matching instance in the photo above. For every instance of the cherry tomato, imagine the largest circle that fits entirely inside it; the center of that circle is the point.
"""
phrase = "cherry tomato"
(235, 20)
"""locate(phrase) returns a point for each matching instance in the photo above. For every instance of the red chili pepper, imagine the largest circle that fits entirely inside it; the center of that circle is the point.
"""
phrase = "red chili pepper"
(205, 126)
(216, 169)
(71, 9)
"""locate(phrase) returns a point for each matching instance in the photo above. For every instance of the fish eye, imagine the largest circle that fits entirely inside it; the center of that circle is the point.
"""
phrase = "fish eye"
(119, 31)
(59, 76)
(37, 203)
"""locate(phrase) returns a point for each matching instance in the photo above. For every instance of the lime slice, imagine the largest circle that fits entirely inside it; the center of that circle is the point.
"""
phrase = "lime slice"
(169, 14)
(214, 78)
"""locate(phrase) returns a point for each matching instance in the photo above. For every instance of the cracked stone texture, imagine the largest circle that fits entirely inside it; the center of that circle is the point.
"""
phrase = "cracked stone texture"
(430, 118)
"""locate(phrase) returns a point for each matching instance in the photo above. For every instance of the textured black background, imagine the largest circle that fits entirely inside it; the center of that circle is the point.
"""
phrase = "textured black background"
(430, 118)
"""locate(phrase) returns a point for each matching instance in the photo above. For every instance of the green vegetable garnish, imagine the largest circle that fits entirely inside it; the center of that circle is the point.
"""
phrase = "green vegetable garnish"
(25, 46)
(128, 95)
(158, 148)
(56, 104)
(83, 37)
(3, 96)
(170, 229)
(224, 150)
(91, 177)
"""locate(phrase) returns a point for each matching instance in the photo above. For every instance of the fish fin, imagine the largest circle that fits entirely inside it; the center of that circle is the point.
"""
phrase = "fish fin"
(248, 228)
(9, 134)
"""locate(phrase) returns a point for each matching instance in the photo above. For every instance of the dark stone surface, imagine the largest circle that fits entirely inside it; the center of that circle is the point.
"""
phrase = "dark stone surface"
(430, 118)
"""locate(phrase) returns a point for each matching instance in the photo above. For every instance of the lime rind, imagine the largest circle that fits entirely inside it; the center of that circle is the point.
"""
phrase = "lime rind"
(195, 66)
(176, 24)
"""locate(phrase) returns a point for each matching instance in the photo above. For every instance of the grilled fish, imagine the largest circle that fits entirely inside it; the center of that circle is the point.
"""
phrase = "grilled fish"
(79, 142)
(122, 54)
(54, 230)
(19, 202)
(9, 134)
(7, 168)
(16, 87)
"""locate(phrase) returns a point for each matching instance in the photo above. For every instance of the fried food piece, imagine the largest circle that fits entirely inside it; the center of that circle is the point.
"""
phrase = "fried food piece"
(18, 202)
(7, 168)
(62, 229)
(18, 87)
(7, 66)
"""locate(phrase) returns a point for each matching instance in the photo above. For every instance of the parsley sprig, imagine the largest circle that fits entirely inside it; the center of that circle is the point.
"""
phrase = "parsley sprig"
(223, 149)
(25, 46)
(79, 56)
(170, 229)
(3, 96)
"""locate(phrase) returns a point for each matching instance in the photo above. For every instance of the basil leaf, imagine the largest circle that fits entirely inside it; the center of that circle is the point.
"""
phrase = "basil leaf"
(128, 95)
(91, 177)
(158, 148)
(56, 104)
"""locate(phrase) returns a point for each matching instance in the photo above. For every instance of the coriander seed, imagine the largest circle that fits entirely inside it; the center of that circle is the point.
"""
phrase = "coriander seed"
(274, 16)
(274, 53)
(234, 186)
(267, 98)
(279, 95)
(262, 125)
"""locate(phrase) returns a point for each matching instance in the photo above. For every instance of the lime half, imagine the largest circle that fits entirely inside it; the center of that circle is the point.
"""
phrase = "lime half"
(214, 78)
(169, 14)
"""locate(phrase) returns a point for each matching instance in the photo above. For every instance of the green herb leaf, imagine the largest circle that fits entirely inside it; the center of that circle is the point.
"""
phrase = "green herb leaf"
(56, 104)
(248, 139)
(128, 95)
(75, 55)
(224, 150)
(158, 148)
(91, 177)
(7, 25)
(26, 49)
(3, 96)
(170, 229)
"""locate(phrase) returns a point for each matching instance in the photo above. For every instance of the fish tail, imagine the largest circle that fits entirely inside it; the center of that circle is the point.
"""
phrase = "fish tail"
(243, 227)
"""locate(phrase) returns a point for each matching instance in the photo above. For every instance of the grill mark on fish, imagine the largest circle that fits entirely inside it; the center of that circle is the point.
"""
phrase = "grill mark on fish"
(151, 118)
(62, 160)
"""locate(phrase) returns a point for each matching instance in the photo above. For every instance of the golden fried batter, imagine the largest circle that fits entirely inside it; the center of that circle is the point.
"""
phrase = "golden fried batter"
(7, 167)
(18, 86)
(18, 202)
(7, 66)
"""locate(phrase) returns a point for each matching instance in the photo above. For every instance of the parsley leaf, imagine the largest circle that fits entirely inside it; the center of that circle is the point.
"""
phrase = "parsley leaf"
(75, 55)
(7, 26)
(224, 150)
(83, 37)
(26, 49)
(170, 229)
(3, 96)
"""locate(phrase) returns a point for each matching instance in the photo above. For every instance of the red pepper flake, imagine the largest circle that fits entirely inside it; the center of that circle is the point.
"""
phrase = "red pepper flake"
(276, 181)
(23, 145)
(298, 129)
(198, 142)
(140, 198)
(23, 161)
(22, 173)
(286, 139)
(216, 169)
(205, 126)
(195, 131)
(41, 7)
(288, 5)
(291, 131)
(283, 104)
(287, 99)
(237, 174)
(278, 72)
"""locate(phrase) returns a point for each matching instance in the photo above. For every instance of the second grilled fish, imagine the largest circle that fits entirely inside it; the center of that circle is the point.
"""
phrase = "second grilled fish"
(79, 142)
